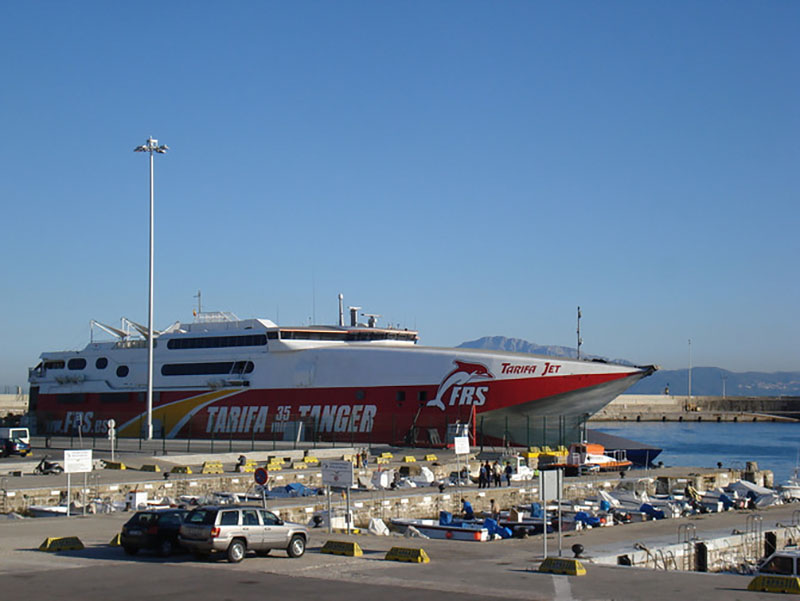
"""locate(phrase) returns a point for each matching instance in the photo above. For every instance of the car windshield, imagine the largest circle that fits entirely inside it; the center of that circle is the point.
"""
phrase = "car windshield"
(171, 518)
(202, 516)
(143, 518)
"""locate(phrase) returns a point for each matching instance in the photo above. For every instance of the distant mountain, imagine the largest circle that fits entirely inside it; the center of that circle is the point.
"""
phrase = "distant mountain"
(517, 345)
(706, 381)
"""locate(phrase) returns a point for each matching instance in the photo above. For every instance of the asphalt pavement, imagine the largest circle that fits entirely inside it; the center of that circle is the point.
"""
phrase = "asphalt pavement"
(492, 570)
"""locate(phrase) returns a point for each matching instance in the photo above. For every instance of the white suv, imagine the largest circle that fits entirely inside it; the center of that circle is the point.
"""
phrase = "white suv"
(238, 529)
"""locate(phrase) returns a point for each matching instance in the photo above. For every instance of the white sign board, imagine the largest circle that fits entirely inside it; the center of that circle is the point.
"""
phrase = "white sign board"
(461, 445)
(77, 461)
(337, 473)
(550, 484)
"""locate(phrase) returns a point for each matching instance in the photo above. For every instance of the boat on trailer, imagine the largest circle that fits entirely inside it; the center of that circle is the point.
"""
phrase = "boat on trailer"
(224, 377)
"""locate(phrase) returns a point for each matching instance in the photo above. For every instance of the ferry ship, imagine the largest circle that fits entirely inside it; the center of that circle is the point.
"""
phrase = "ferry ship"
(224, 377)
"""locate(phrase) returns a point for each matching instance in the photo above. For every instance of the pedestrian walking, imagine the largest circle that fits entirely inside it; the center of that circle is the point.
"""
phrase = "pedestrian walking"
(508, 473)
(482, 476)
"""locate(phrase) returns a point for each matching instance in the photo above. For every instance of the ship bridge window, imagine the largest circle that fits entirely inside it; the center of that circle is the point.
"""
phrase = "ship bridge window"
(101, 363)
(54, 365)
(122, 371)
(201, 369)
(76, 364)
(311, 335)
(217, 341)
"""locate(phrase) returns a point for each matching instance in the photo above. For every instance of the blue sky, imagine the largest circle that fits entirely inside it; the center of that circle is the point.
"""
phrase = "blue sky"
(465, 168)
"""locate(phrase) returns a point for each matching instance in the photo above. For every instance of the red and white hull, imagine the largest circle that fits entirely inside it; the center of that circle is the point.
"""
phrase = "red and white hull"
(329, 388)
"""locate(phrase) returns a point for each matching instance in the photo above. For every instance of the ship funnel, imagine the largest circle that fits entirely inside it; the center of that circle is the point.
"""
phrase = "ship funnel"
(354, 316)
(341, 310)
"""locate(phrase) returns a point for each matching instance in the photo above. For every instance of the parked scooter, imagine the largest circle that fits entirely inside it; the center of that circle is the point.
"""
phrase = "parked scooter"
(46, 467)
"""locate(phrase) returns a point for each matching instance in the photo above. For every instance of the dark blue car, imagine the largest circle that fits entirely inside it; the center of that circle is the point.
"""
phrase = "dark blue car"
(14, 446)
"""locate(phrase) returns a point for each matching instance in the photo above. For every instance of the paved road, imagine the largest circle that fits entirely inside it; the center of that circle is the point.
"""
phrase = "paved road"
(496, 570)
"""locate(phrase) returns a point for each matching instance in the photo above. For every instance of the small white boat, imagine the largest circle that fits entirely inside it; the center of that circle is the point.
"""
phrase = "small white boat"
(790, 489)
(457, 531)
(49, 511)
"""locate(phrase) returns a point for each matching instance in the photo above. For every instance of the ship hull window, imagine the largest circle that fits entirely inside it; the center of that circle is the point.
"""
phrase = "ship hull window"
(204, 369)
(217, 341)
(76, 364)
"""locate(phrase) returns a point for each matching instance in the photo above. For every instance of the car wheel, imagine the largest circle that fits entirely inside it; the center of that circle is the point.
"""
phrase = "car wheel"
(297, 546)
(130, 550)
(236, 551)
(166, 548)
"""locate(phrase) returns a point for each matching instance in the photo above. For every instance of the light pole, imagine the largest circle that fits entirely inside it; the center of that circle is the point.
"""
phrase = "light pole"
(690, 370)
(150, 146)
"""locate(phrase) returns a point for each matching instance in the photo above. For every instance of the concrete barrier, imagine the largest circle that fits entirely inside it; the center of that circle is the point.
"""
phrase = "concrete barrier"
(181, 469)
(775, 584)
(410, 555)
(150, 467)
(61, 543)
(560, 565)
(114, 465)
(337, 547)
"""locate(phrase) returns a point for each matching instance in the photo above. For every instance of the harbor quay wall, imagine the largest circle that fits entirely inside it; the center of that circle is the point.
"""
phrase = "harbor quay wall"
(664, 407)
(418, 502)
(738, 552)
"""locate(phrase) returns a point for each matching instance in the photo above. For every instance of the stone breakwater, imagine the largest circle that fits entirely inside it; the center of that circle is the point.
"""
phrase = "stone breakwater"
(664, 407)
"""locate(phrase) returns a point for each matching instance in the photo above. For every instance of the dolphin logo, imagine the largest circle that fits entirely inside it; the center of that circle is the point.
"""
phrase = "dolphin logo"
(463, 373)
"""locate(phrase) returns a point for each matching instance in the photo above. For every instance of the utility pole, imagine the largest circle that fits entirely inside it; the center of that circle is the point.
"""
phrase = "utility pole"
(580, 340)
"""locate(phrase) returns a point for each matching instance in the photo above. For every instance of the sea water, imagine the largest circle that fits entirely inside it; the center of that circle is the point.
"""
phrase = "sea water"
(774, 445)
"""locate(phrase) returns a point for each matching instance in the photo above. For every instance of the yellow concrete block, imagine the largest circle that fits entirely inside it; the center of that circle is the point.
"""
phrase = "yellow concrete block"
(62, 543)
(250, 466)
(382, 460)
(116, 541)
(114, 465)
(387, 455)
(431, 457)
(150, 467)
(212, 467)
(181, 469)
(560, 565)
(407, 554)
(409, 459)
(299, 465)
(337, 547)
(775, 584)
(310, 460)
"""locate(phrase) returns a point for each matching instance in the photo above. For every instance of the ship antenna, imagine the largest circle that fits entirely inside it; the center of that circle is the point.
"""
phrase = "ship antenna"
(199, 298)
(580, 340)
